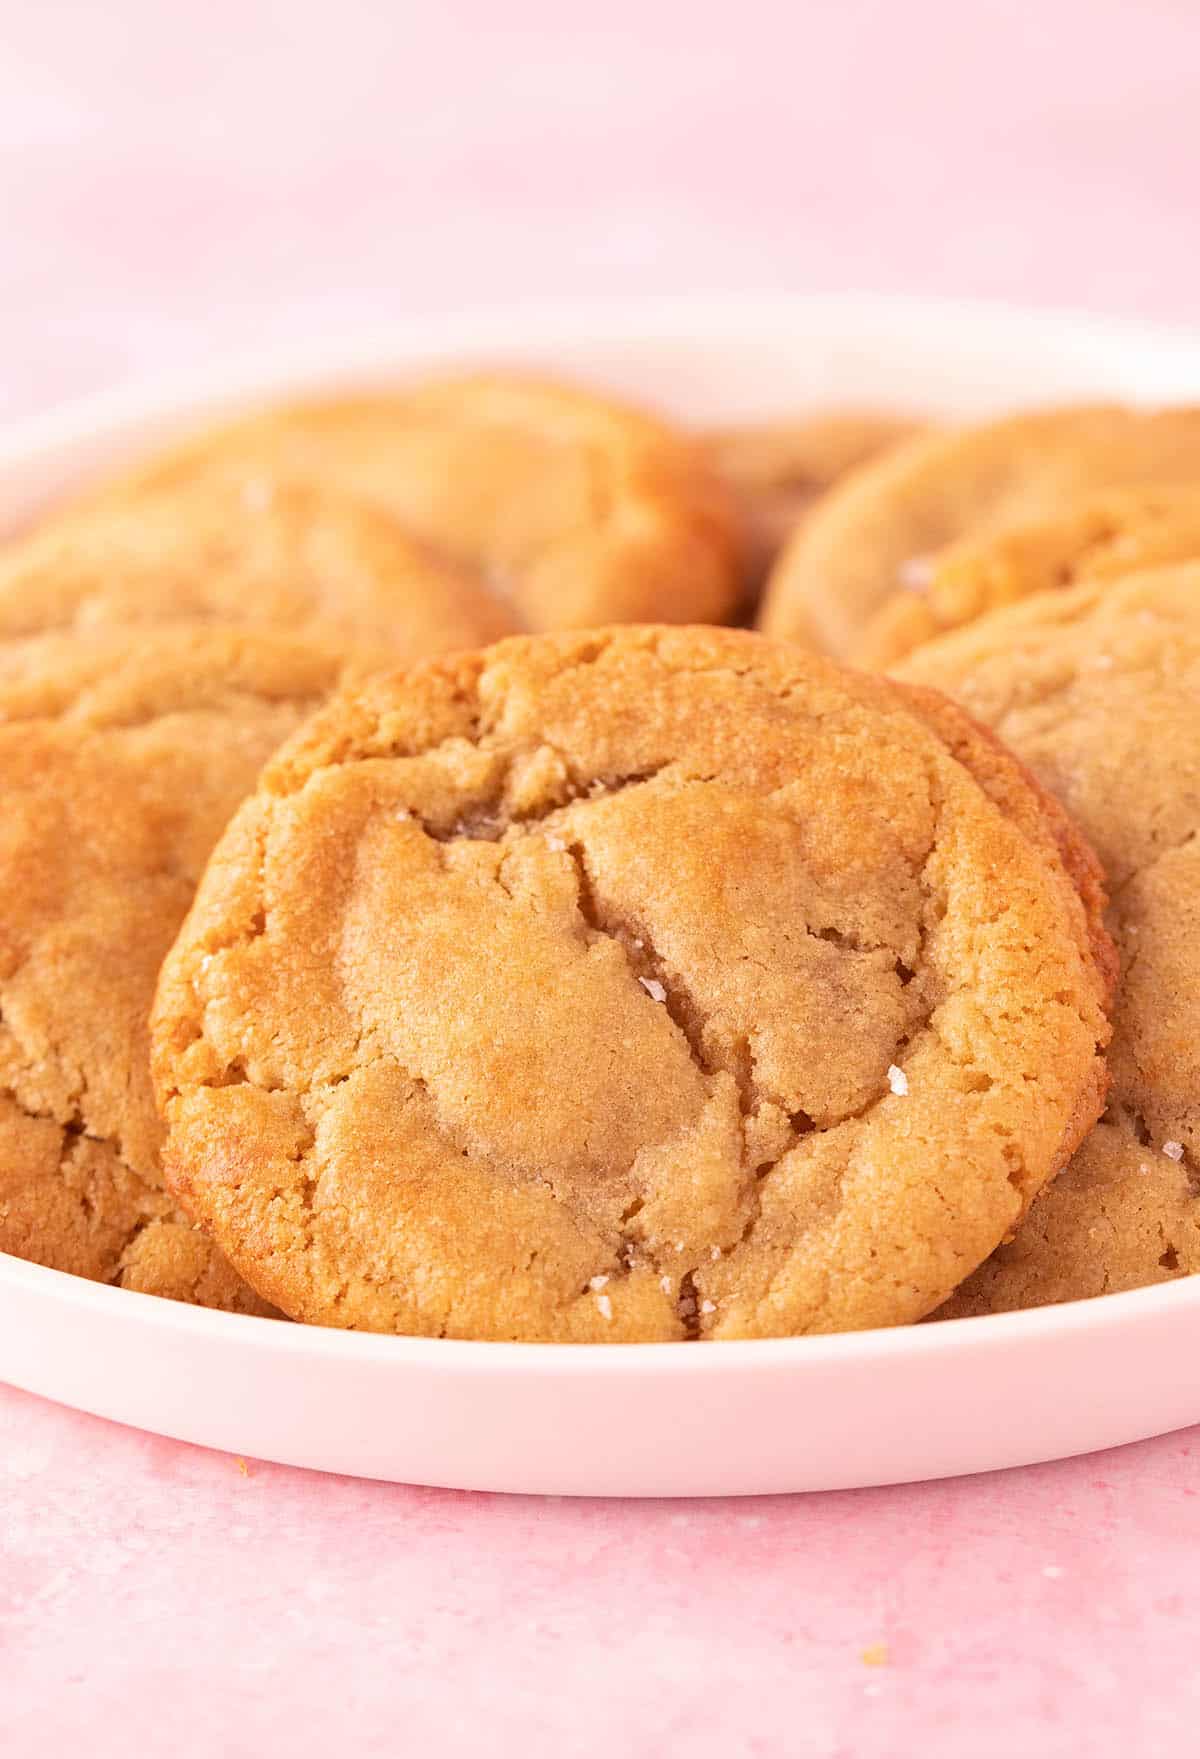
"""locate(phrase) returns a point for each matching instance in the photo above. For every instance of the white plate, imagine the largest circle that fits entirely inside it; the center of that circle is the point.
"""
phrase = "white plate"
(635, 1419)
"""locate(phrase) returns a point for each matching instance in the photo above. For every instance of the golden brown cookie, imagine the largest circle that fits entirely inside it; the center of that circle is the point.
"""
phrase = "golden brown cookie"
(779, 469)
(644, 984)
(1100, 538)
(208, 549)
(122, 757)
(885, 527)
(1098, 690)
(571, 509)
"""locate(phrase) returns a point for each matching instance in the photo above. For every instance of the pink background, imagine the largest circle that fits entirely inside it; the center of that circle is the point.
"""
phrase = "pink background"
(173, 179)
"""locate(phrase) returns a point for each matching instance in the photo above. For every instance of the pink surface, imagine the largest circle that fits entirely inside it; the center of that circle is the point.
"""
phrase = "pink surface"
(174, 182)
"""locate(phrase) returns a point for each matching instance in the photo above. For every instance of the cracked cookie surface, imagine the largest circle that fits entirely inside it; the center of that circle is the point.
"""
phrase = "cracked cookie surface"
(883, 530)
(122, 758)
(568, 508)
(1098, 690)
(204, 550)
(1102, 537)
(648, 984)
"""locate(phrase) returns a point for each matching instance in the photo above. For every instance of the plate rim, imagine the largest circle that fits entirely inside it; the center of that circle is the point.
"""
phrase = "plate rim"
(244, 371)
(733, 1355)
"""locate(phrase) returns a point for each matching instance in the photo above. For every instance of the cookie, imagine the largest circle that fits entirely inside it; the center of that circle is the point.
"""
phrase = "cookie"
(1098, 689)
(647, 984)
(122, 757)
(885, 527)
(779, 469)
(1100, 538)
(263, 552)
(572, 510)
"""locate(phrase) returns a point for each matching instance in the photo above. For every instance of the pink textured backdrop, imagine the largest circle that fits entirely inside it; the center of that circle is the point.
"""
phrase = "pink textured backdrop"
(175, 179)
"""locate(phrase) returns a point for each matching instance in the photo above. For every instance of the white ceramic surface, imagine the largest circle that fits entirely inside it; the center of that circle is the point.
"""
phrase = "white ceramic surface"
(643, 1419)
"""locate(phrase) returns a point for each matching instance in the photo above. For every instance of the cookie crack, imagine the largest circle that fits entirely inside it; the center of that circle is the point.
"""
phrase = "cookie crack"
(375, 741)
(664, 985)
(921, 1023)
(256, 925)
(75, 1132)
(490, 821)
(72, 1125)
(70, 1117)
(1148, 866)
(71, 1120)
(647, 965)
(1119, 1112)
(628, 1254)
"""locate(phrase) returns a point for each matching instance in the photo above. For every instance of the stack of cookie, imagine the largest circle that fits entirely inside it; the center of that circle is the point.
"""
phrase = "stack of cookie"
(420, 915)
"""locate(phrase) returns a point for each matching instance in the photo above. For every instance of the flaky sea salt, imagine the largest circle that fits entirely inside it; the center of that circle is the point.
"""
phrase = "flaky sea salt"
(715, 1253)
(605, 1306)
(1173, 1150)
(665, 1285)
(897, 1080)
(653, 989)
(708, 1307)
(597, 1283)
(555, 843)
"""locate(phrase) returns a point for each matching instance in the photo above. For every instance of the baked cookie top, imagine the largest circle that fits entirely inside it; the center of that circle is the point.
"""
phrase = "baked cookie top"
(122, 757)
(642, 984)
(779, 469)
(884, 528)
(1102, 537)
(571, 509)
(1098, 690)
(211, 549)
